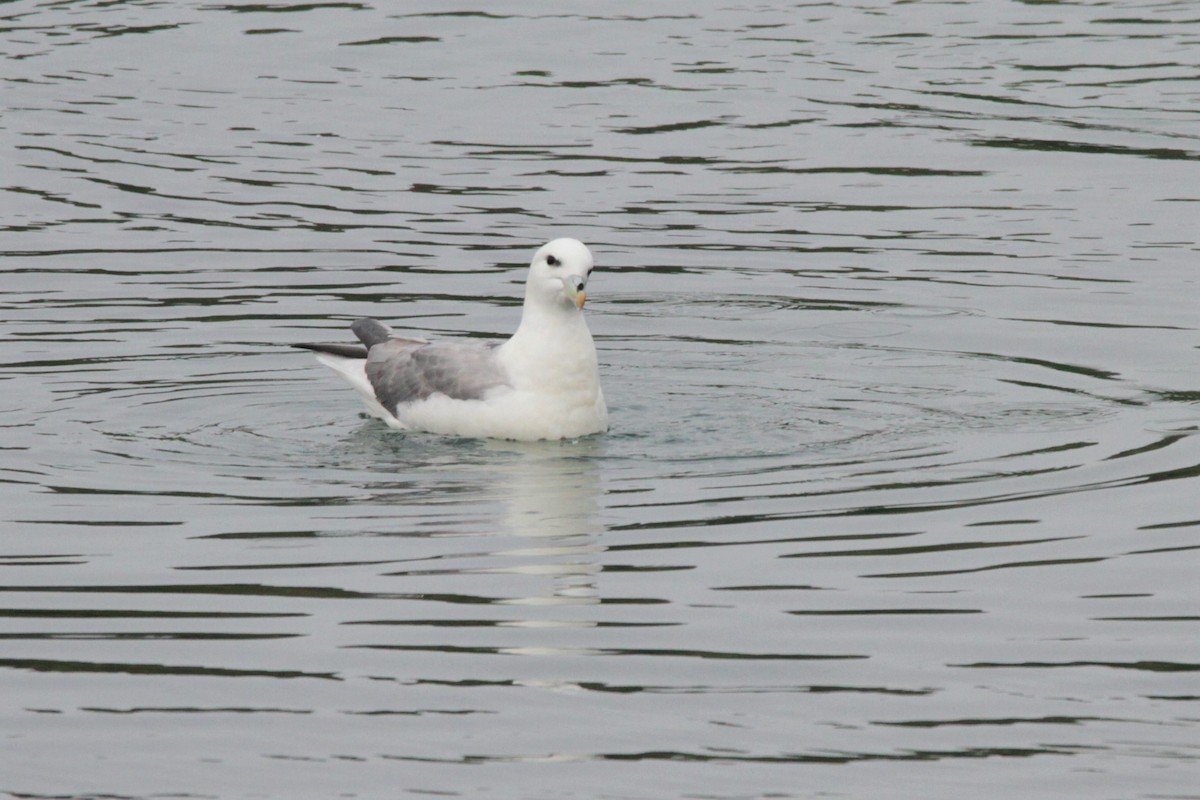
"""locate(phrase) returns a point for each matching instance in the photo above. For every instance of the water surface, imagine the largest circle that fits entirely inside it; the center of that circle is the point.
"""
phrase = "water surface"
(896, 312)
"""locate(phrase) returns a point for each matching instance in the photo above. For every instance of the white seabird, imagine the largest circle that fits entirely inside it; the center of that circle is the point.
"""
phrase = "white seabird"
(541, 383)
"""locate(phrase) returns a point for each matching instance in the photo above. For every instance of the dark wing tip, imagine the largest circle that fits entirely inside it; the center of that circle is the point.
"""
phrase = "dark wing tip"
(344, 350)
(371, 331)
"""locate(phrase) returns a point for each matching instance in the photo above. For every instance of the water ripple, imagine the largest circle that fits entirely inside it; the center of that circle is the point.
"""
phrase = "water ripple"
(895, 315)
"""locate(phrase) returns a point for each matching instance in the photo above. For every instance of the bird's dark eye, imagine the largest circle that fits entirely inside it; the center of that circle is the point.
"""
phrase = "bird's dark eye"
(552, 261)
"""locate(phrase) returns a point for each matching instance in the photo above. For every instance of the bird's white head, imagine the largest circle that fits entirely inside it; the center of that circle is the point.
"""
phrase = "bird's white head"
(559, 274)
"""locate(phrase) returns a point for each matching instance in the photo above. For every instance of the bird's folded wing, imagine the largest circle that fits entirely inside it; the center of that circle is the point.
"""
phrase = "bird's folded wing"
(406, 370)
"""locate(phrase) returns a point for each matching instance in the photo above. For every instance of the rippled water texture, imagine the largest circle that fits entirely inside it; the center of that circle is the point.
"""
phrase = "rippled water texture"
(897, 317)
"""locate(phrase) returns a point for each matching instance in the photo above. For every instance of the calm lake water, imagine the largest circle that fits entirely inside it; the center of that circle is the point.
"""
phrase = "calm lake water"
(897, 312)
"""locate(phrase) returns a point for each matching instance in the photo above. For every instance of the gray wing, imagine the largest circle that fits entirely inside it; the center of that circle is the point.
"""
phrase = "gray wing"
(404, 370)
